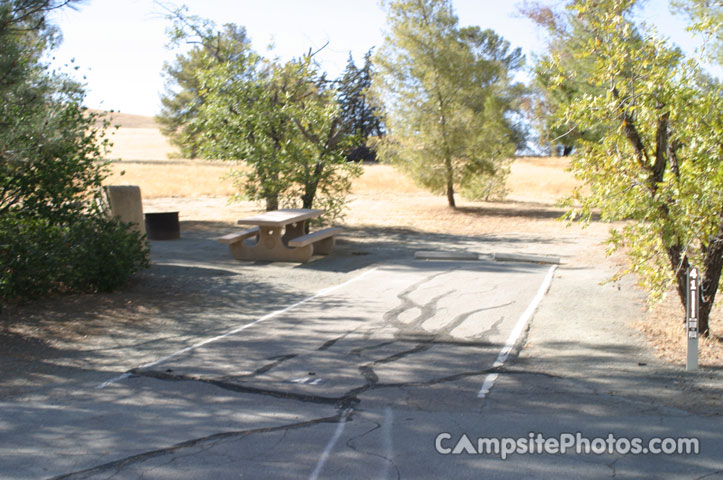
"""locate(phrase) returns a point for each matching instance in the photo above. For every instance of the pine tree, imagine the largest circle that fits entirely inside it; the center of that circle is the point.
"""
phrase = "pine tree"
(359, 115)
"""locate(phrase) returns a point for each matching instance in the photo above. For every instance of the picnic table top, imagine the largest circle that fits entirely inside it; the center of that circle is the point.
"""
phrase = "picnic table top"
(279, 218)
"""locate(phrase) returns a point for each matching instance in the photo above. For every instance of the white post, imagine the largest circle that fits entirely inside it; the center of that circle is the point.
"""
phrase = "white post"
(691, 318)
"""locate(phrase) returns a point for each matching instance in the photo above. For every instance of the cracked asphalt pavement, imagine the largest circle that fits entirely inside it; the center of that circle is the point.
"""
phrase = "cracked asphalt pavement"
(353, 365)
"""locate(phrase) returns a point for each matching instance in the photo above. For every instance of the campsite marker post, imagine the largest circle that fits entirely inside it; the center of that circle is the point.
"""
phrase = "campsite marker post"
(691, 318)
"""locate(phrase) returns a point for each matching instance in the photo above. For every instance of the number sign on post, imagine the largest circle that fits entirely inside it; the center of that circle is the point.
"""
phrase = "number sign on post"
(691, 318)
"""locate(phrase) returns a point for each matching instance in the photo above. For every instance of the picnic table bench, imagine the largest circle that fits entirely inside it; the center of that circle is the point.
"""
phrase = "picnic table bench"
(271, 244)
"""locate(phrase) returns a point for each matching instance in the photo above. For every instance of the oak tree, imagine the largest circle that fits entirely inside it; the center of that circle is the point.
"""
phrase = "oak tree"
(280, 121)
(658, 163)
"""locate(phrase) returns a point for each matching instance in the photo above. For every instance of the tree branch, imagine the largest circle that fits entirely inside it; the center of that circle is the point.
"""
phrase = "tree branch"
(46, 5)
(661, 149)
(632, 134)
(307, 133)
(335, 134)
(673, 156)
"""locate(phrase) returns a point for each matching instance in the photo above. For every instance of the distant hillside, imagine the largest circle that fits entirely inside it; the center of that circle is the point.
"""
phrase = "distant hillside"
(138, 138)
(128, 120)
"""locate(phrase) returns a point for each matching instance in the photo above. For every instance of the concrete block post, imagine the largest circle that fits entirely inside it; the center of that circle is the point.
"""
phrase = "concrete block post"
(125, 203)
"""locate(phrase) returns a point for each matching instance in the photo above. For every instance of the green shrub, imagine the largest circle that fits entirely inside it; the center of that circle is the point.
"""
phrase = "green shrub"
(488, 187)
(28, 257)
(90, 254)
(54, 236)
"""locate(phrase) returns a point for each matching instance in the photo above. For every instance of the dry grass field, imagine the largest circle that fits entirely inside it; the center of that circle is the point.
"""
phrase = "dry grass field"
(183, 178)
(137, 138)
(383, 197)
(544, 179)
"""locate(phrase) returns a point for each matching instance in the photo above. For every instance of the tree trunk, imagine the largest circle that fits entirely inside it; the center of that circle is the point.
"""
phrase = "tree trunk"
(450, 195)
(450, 184)
(712, 265)
(307, 201)
(272, 196)
(680, 266)
(312, 185)
(272, 203)
(566, 150)
(710, 273)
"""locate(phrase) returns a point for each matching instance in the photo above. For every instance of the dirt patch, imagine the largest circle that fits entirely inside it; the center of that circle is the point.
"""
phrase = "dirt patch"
(664, 327)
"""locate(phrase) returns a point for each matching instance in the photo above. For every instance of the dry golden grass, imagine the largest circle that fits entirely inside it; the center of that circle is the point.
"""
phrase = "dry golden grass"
(380, 179)
(188, 178)
(127, 120)
(138, 138)
(664, 328)
(382, 196)
(532, 179)
(174, 179)
(540, 179)
(139, 144)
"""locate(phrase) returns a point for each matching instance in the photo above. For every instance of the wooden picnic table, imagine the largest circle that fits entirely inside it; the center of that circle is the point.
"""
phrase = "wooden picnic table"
(280, 236)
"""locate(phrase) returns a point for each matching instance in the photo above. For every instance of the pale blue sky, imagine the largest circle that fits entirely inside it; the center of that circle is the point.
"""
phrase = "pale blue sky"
(119, 45)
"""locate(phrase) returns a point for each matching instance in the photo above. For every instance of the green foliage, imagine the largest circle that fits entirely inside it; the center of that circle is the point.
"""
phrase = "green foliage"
(321, 175)
(488, 187)
(247, 120)
(449, 97)
(49, 147)
(183, 96)
(51, 220)
(359, 114)
(707, 19)
(283, 123)
(91, 254)
(552, 93)
(658, 162)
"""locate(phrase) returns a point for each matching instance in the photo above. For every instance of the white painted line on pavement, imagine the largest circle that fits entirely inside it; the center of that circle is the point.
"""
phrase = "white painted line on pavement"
(268, 316)
(329, 446)
(387, 442)
(516, 332)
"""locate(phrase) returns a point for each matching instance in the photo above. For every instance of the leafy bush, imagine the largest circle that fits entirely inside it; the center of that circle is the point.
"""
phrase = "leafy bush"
(103, 254)
(91, 254)
(488, 187)
(54, 235)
